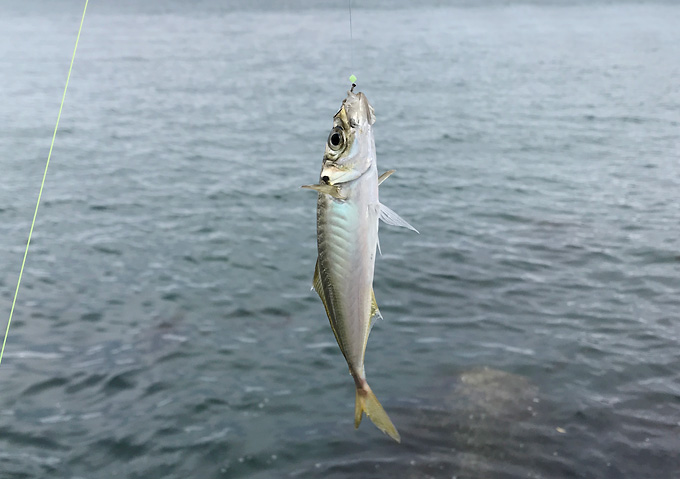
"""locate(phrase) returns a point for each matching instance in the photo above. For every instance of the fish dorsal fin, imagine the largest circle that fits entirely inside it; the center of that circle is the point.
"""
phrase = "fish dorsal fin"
(385, 175)
(375, 312)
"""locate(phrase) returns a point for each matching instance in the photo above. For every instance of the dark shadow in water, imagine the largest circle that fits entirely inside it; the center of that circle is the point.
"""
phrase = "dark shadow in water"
(482, 426)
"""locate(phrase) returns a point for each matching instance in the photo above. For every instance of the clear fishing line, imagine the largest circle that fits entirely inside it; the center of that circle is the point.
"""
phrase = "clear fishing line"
(352, 78)
(35, 214)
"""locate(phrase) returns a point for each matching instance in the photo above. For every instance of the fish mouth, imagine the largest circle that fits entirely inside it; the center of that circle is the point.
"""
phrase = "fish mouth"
(333, 174)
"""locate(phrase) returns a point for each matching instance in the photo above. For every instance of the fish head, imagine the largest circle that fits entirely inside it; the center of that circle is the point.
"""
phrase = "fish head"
(350, 149)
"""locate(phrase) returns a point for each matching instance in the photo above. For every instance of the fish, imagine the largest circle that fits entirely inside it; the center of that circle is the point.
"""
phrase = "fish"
(348, 213)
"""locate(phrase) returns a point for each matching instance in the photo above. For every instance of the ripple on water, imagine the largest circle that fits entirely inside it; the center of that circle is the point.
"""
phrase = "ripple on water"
(121, 382)
(45, 386)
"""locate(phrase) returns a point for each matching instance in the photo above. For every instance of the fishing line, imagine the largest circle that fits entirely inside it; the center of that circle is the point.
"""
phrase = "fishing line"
(352, 78)
(49, 155)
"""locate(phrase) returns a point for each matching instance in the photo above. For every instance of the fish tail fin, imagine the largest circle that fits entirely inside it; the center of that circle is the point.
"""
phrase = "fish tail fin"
(366, 402)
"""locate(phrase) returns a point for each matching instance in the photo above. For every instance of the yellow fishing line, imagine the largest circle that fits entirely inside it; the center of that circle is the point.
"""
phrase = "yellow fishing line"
(49, 155)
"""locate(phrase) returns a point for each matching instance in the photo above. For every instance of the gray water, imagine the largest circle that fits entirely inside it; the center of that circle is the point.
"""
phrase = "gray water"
(165, 326)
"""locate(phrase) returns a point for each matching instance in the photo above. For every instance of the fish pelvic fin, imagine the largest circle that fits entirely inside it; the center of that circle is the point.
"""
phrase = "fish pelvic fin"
(332, 190)
(366, 402)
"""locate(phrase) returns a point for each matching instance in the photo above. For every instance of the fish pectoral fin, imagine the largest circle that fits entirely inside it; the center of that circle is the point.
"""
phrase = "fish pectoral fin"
(384, 176)
(391, 218)
(366, 402)
(332, 190)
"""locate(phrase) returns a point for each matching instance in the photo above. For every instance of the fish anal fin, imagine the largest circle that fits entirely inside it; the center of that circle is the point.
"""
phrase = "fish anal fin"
(318, 287)
(316, 281)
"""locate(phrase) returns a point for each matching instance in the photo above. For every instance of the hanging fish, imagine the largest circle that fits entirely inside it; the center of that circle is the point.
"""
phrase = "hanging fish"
(348, 211)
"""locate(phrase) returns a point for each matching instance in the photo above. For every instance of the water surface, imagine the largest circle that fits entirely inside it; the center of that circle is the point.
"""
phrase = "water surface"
(166, 328)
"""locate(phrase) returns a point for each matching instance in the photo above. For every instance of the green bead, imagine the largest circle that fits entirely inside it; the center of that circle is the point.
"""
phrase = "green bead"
(352, 78)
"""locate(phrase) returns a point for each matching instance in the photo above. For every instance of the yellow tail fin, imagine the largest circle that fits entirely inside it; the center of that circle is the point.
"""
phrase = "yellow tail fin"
(366, 402)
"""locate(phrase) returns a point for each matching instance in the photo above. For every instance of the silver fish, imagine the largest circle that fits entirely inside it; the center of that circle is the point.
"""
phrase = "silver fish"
(348, 211)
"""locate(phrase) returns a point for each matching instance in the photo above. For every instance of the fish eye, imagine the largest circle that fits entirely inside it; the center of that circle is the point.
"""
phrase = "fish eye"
(336, 138)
